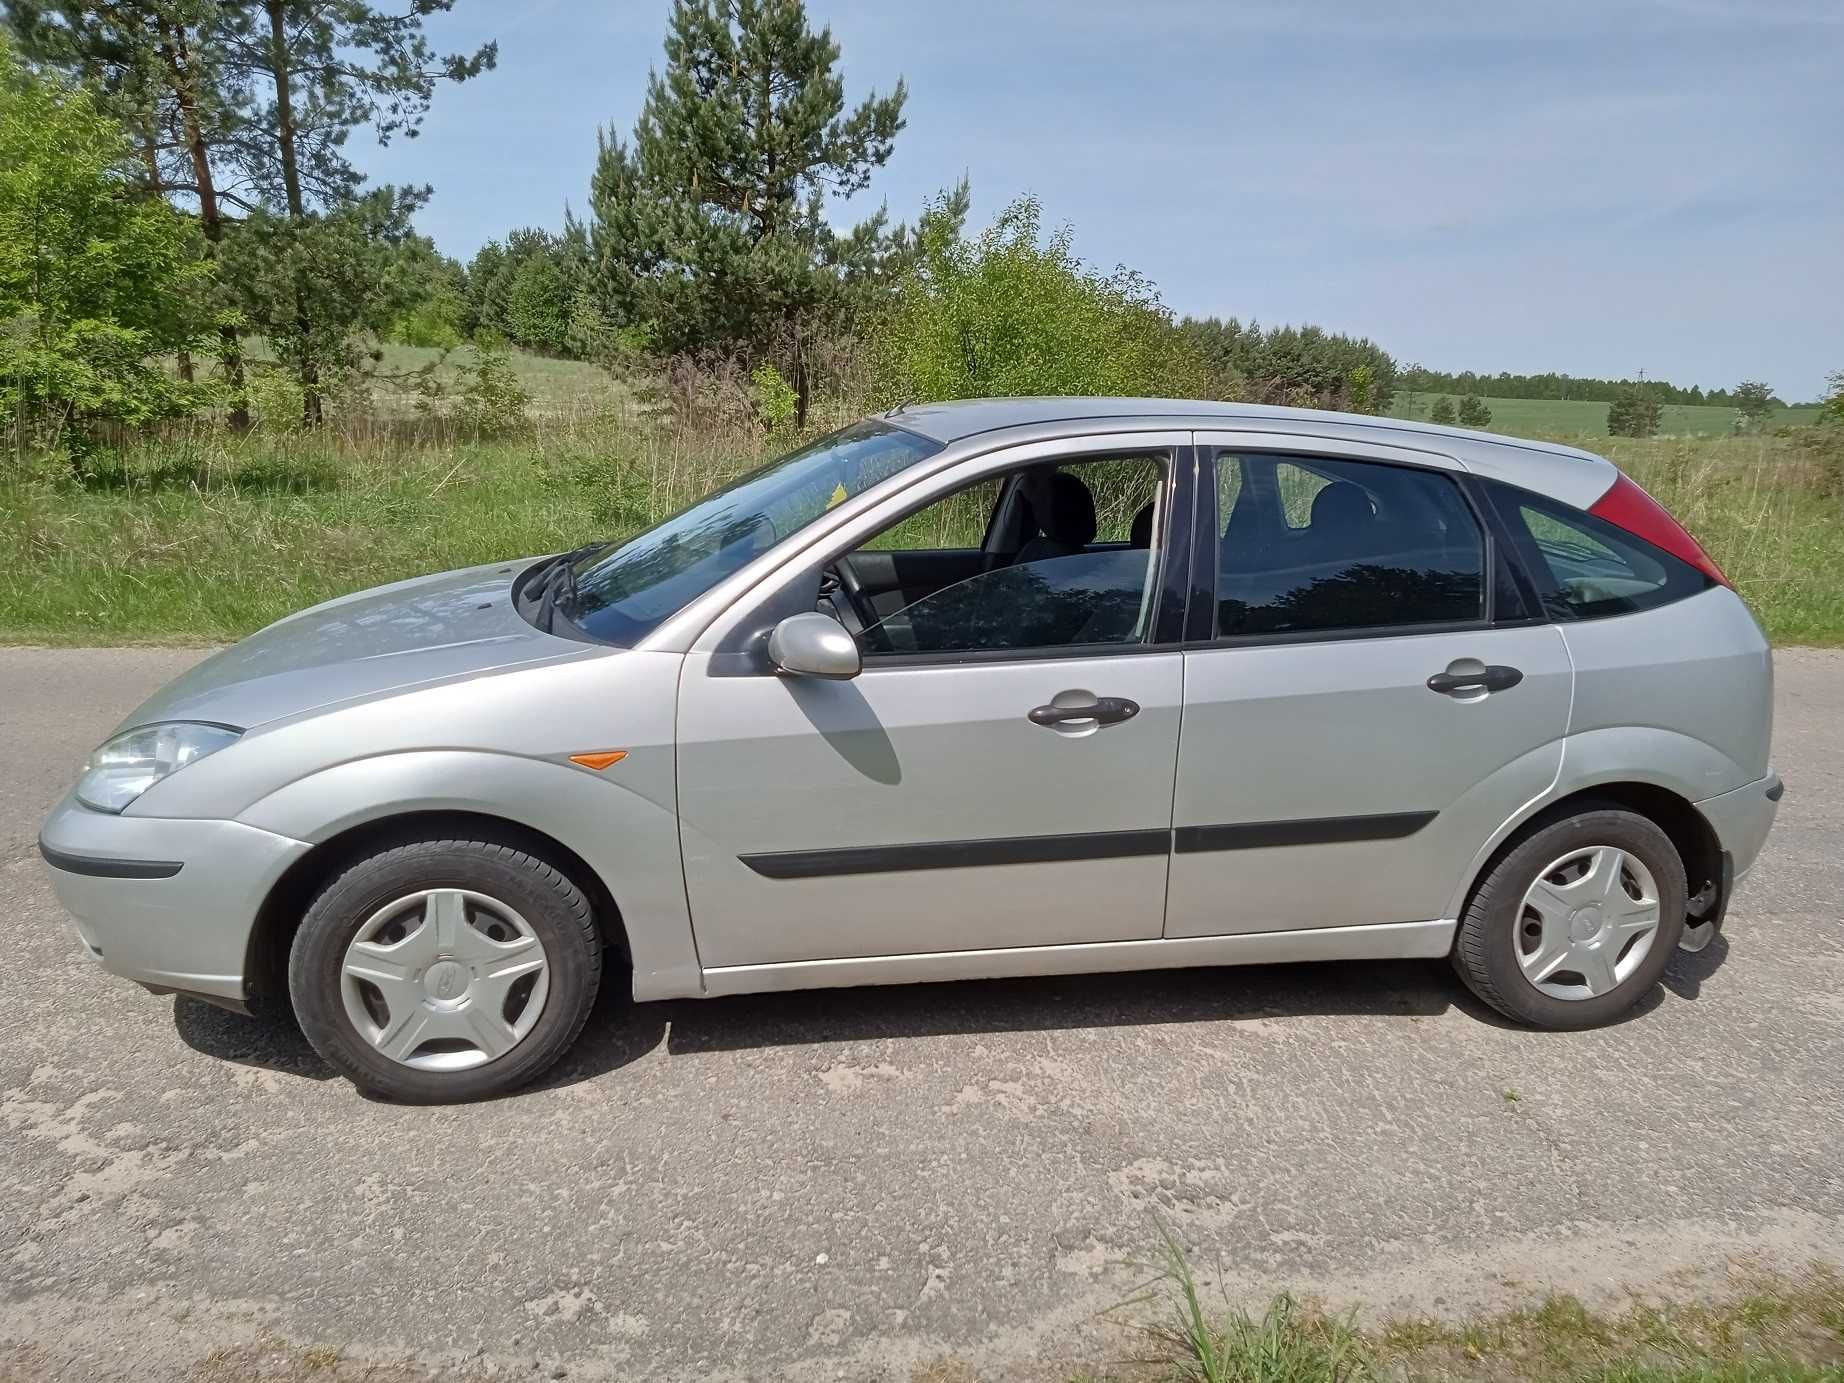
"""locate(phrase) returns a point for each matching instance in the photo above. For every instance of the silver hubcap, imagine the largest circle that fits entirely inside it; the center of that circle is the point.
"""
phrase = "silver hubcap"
(1587, 923)
(444, 979)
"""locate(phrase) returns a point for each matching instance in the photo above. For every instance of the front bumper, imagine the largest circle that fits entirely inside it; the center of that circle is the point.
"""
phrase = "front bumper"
(167, 903)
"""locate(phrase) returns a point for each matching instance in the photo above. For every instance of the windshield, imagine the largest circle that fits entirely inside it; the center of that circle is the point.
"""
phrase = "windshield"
(624, 591)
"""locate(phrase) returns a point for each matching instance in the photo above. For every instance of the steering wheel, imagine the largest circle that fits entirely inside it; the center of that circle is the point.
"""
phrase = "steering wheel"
(870, 622)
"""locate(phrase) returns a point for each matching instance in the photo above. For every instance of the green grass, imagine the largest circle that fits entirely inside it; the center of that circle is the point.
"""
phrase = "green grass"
(1577, 418)
(1769, 510)
(204, 539)
(1777, 1329)
(194, 535)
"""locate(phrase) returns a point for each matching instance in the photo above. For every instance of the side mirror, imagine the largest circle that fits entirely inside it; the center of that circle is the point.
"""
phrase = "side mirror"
(814, 645)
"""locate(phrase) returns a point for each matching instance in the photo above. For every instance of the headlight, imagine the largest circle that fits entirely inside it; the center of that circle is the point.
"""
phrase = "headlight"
(131, 763)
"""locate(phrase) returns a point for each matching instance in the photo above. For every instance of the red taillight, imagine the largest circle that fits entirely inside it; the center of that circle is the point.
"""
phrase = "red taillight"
(1629, 507)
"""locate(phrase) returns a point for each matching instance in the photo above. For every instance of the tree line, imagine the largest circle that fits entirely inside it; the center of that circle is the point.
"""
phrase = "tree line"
(181, 222)
(1419, 379)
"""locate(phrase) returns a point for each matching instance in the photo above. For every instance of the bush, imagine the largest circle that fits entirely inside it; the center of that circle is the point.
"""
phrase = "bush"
(1012, 312)
(1362, 391)
(436, 323)
(1473, 412)
(538, 306)
(1442, 412)
(776, 401)
(1831, 411)
(97, 282)
(1823, 448)
(490, 397)
(274, 397)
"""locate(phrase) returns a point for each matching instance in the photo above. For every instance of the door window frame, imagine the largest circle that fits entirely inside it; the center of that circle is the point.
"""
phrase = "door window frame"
(736, 635)
(1169, 583)
(1498, 563)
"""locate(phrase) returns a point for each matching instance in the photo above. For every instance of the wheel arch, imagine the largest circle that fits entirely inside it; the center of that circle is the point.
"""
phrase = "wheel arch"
(279, 917)
(1676, 815)
(624, 835)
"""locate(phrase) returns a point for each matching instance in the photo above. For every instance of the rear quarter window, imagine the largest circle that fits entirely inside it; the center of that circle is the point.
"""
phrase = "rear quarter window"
(1587, 568)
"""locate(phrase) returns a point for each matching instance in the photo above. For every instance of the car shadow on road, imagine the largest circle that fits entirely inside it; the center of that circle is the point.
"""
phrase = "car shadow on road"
(1133, 999)
(271, 1042)
(1688, 970)
(1386, 989)
(620, 1032)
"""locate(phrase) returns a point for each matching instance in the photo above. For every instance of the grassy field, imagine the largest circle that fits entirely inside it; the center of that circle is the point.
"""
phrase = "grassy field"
(559, 389)
(556, 386)
(199, 536)
(1579, 418)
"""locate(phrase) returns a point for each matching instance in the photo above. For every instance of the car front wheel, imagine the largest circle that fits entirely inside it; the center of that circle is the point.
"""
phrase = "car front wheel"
(1575, 924)
(445, 969)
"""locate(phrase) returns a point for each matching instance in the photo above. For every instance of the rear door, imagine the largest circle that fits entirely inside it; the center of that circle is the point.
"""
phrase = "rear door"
(1368, 693)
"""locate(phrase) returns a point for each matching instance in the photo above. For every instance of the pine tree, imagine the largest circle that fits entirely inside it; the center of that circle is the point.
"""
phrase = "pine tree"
(329, 67)
(1633, 414)
(709, 227)
(1442, 412)
(1473, 412)
(246, 106)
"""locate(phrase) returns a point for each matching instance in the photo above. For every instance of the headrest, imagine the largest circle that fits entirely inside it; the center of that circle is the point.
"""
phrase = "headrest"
(1342, 505)
(1140, 533)
(1064, 509)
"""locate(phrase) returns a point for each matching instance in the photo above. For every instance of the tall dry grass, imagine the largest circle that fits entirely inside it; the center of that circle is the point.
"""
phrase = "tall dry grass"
(1769, 509)
(192, 533)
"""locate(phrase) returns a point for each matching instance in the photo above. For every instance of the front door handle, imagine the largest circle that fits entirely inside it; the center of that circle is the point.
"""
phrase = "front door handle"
(1104, 710)
(1460, 679)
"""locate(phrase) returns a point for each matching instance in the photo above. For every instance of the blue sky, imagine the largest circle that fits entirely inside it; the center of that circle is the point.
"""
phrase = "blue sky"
(1597, 186)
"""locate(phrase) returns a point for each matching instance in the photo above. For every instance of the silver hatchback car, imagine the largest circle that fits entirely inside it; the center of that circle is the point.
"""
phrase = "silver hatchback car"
(1011, 687)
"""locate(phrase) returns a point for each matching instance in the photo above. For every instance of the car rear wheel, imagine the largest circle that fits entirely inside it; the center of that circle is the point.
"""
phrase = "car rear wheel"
(1575, 923)
(442, 970)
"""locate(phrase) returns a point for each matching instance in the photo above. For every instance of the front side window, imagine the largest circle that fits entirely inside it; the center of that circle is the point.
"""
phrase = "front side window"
(1315, 545)
(623, 591)
(1586, 568)
(1053, 556)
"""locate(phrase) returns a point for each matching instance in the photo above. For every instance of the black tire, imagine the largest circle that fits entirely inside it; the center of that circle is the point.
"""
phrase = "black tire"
(1485, 950)
(555, 909)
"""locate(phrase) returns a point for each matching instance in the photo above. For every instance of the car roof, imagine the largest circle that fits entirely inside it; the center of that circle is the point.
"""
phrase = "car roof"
(1566, 472)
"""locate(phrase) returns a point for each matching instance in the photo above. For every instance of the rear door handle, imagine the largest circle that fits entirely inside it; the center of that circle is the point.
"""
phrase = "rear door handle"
(1105, 710)
(1489, 677)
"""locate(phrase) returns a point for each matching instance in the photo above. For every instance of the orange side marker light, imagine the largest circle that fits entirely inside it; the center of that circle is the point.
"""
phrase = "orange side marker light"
(599, 760)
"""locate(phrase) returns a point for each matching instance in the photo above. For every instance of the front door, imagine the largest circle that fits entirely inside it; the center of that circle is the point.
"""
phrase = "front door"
(1000, 774)
(1371, 706)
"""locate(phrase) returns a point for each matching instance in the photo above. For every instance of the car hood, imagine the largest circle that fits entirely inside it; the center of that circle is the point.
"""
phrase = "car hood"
(374, 642)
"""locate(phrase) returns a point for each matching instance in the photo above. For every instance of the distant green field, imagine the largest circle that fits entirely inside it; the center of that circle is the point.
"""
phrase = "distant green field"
(557, 387)
(1573, 417)
(553, 383)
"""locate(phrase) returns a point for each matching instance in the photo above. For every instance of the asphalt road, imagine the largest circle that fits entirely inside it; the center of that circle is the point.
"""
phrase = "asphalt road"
(854, 1183)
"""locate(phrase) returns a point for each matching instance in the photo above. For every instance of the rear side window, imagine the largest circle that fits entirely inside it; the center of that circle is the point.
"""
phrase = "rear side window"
(1586, 568)
(1315, 545)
